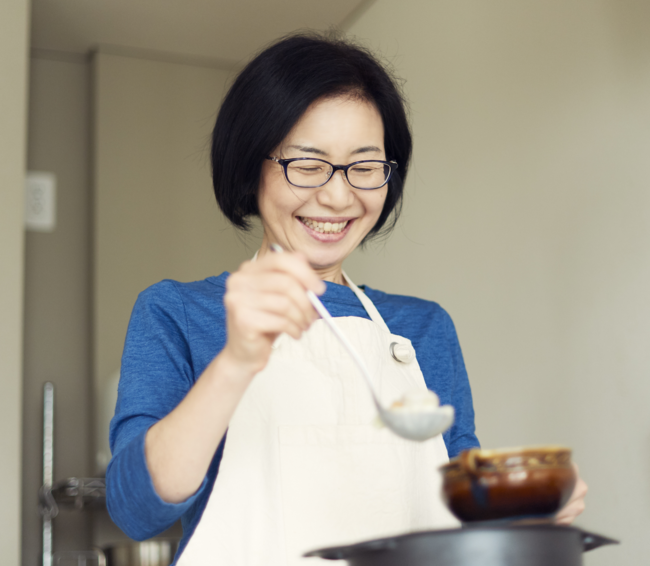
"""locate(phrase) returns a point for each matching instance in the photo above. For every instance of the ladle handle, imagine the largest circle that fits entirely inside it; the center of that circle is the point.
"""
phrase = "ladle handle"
(329, 320)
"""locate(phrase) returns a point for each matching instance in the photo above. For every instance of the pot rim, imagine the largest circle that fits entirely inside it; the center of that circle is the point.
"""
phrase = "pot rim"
(489, 452)
(486, 454)
(135, 543)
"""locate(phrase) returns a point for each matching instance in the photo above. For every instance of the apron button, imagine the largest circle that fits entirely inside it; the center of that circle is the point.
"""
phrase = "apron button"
(403, 353)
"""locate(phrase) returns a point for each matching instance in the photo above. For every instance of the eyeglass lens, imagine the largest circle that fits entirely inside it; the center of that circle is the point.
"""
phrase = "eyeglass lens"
(309, 173)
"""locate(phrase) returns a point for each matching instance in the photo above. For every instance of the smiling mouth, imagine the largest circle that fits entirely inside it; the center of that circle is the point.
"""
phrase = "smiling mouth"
(324, 227)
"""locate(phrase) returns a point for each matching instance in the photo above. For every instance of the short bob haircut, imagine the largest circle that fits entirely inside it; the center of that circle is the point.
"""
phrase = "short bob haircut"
(273, 92)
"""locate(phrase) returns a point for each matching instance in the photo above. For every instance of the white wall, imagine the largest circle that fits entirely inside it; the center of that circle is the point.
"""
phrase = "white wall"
(528, 217)
(13, 94)
(155, 213)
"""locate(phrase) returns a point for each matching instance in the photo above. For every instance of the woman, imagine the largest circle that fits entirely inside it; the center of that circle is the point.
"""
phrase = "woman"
(238, 411)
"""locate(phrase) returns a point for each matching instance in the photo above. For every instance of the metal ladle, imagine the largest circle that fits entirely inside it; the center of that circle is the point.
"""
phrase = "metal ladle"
(417, 425)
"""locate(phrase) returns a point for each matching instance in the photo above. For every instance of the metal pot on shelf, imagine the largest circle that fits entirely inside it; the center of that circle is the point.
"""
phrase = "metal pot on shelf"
(153, 552)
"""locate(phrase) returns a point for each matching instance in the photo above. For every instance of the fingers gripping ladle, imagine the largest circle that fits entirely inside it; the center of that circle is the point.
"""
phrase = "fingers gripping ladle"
(421, 423)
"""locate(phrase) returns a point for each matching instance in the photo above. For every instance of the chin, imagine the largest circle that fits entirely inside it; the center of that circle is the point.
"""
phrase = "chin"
(324, 259)
(320, 264)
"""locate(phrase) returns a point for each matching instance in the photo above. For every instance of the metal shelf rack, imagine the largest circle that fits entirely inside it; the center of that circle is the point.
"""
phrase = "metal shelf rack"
(70, 493)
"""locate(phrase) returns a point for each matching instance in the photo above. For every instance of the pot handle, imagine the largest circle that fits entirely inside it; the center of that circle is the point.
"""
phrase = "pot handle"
(345, 552)
(592, 540)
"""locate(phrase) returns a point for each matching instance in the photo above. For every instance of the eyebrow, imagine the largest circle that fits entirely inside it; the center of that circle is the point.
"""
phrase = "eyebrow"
(309, 149)
(366, 149)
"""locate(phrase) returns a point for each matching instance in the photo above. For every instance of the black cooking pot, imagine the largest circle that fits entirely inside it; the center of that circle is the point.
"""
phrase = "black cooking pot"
(479, 545)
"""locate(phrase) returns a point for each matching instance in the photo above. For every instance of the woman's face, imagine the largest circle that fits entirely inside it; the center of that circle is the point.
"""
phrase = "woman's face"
(339, 130)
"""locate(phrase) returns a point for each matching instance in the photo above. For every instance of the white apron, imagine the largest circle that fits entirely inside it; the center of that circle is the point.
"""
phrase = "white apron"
(304, 466)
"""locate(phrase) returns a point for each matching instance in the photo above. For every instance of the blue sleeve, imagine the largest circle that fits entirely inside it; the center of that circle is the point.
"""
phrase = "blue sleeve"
(461, 435)
(156, 375)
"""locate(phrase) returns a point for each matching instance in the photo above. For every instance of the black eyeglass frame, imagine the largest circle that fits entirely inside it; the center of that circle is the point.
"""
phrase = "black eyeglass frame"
(392, 165)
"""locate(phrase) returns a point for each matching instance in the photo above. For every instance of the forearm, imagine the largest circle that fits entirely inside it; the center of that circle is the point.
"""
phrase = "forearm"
(131, 498)
(180, 447)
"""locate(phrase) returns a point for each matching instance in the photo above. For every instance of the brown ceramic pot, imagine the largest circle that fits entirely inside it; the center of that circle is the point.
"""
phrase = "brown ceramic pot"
(484, 485)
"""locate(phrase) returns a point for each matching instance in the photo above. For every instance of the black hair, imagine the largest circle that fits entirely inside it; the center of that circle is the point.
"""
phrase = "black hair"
(273, 92)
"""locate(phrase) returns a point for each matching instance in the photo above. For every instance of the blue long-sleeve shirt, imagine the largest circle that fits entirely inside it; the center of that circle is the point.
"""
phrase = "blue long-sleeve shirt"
(176, 329)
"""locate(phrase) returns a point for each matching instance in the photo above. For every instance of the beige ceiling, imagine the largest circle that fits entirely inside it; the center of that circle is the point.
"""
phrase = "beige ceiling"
(223, 30)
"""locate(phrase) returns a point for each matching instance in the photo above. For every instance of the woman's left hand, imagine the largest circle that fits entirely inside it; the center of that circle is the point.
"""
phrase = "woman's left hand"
(576, 503)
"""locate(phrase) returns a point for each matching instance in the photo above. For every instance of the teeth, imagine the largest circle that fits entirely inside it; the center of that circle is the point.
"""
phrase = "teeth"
(325, 227)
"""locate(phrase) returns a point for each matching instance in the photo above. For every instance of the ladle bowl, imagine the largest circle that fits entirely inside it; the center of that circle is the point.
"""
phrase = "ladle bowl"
(420, 425)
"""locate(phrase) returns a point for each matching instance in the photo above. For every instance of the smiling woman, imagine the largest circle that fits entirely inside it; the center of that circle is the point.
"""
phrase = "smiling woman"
(312, 138)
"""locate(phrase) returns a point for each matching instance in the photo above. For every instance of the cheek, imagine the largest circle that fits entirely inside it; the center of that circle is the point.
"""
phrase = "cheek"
(375, 202)
(269, 191)
(275, 199)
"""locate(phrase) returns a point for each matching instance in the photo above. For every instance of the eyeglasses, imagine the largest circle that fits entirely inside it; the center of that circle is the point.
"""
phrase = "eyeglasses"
(310, 173)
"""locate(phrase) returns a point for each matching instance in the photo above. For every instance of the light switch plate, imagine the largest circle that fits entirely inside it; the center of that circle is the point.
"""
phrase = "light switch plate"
(40, 201)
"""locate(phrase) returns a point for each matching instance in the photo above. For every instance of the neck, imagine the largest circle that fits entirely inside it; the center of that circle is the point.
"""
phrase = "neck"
(333, 273)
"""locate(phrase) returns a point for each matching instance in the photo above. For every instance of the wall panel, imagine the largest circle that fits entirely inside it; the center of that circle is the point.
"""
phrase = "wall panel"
(526, 216)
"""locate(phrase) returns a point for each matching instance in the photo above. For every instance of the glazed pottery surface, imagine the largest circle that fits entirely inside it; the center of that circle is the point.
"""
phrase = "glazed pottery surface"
(486, 485)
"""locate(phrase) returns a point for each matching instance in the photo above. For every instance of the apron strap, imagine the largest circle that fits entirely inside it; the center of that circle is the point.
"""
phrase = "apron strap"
(371, 309)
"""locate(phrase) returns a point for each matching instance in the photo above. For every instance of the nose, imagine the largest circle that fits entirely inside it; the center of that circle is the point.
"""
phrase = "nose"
(337, 193)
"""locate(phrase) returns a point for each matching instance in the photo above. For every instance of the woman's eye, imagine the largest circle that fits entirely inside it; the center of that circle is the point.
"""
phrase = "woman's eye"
(309, 170)
(364, 170)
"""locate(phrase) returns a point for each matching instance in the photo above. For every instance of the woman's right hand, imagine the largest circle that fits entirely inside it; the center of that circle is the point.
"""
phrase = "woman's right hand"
(263, 299)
